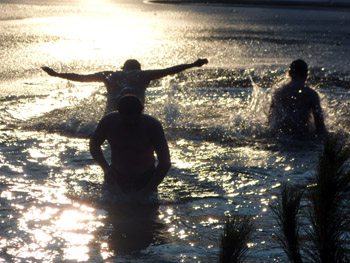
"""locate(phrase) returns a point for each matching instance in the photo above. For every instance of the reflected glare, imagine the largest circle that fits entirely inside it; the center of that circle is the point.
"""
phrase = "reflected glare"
(108, 33)
(53, 221)
(55, 100)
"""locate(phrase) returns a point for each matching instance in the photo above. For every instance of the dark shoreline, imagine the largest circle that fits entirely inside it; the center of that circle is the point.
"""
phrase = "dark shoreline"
(260, 3)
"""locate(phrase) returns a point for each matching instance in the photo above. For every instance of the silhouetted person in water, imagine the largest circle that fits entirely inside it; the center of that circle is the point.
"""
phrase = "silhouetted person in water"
(131, 80)
(134, 137)
(295, 107)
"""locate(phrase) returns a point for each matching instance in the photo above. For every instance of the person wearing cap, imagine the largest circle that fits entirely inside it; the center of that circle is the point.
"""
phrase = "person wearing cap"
(134, 137)
(131, 80)
(295, 107)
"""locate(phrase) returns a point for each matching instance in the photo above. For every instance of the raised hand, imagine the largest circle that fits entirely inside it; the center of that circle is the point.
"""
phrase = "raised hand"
(200, 62)
(49, 71)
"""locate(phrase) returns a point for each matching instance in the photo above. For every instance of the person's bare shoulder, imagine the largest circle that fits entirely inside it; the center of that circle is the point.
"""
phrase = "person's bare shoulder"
(313, 95)
(152, 123)
(150, 120)
(110, 118)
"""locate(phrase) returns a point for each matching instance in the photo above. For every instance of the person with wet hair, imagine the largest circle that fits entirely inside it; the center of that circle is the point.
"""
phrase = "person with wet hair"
(134, 138)
(130, 80)
(295, 107)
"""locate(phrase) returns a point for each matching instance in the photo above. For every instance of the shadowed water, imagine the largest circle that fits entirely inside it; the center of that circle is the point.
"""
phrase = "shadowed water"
(224, 160)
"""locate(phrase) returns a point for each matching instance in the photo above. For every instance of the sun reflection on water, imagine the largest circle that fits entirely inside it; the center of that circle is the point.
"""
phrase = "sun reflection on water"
(29, 108)
(52, 224)
(109, 33)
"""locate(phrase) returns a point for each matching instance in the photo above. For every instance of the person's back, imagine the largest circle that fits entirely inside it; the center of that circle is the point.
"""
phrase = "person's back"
(295, 107)
(132, 147)
(134, 138)
(120, 83)
(292, 109)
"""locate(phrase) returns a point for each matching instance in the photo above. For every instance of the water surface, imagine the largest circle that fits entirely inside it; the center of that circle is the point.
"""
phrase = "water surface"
(224, 161)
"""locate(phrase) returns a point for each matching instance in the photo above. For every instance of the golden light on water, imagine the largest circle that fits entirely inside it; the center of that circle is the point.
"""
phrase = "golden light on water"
(56, 99)
(53, 221)
(105, 35)
(50, 226)
(56, 221)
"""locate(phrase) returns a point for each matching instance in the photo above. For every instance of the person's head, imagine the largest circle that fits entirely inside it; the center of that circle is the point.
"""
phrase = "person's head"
(131, 64)
(130, 109)
(298, 69)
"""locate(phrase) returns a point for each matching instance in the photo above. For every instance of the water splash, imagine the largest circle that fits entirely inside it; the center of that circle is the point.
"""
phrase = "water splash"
(335, 103)
(213, 113)
(72, 110)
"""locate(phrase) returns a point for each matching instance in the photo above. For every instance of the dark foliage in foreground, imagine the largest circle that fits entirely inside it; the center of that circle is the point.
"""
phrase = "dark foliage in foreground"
(287, 215)
(329, 216)
(327, 210)
(237, 232)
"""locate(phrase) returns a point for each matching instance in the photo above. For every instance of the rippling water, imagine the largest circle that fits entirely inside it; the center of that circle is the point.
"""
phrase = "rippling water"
(224, 161)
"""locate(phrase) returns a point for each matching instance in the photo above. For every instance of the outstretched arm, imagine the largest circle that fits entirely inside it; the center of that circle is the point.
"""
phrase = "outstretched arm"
(157, 74)
(97, 77)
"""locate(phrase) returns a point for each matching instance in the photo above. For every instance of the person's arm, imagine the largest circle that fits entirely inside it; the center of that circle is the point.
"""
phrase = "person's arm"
(318, 115)
(96, 141)
(97, 77)
(162, 151)
(157, 74)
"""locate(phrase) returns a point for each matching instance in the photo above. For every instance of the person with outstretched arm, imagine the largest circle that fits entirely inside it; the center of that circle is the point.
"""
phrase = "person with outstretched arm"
(130, 80)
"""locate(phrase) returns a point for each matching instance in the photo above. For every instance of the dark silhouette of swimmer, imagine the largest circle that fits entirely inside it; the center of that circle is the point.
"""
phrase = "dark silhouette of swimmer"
(295, 107)
(134, 137)
(131, 80)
